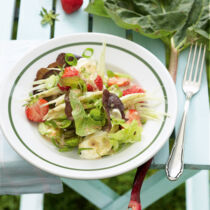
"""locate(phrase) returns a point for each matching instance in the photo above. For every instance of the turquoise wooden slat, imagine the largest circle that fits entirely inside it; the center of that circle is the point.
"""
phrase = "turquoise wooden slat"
(29, 26)
(155, 46)
(105, 25)
(153, 189)
(32, 202)
(198, 192)
(197, 137)
(161, 157)
(158, 49)
(6, 19)
(71, 23)
(93, 190)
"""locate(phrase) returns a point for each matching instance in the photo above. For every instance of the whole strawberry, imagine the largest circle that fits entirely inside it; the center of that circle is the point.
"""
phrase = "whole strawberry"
(70, 6)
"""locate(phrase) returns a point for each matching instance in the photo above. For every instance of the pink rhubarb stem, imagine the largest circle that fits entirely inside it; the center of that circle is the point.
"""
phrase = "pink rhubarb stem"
(173, 63)
(135, 202)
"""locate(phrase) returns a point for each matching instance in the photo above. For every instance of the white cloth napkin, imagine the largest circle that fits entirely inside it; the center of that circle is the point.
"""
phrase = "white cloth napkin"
(16, 175)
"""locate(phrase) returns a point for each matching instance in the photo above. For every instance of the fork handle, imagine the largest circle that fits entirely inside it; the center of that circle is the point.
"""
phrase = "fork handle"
(175, 164)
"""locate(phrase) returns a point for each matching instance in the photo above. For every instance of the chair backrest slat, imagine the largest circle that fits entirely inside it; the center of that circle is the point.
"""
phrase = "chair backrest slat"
(7, 10)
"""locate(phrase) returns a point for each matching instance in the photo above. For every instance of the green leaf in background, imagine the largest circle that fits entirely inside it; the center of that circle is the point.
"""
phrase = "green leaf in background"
(177, 23)
(157, 18)
(195, 27)
(97, 8)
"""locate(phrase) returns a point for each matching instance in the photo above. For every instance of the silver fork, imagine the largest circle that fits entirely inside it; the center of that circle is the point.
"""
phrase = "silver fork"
(191, 85)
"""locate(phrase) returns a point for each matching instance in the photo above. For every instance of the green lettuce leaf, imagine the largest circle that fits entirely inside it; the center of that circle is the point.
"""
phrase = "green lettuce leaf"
(63, 123)
(84, 124)
(49, 130)
(74, 82)
(129, 134)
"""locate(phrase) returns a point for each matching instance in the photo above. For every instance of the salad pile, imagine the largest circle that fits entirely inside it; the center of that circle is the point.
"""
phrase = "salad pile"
(78, 103)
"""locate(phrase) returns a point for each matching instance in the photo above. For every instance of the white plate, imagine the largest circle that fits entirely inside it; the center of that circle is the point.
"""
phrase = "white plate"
(121, 55)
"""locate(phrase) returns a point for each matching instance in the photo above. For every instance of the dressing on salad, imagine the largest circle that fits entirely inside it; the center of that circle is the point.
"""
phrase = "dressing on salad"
(78, 103)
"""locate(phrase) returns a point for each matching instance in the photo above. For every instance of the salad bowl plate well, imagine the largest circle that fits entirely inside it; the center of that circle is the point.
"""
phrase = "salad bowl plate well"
(122, 56)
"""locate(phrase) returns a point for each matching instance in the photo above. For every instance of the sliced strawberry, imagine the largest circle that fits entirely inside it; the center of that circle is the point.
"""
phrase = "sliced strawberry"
(70, 6)
(120, 81)
(35, 111)
(99, 82)
(131, 115)
(133, 89)
(70, 72)
(89, 87)
(63, 88)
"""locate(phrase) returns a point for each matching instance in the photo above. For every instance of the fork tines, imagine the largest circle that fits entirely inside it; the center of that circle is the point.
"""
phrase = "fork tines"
(194, 63)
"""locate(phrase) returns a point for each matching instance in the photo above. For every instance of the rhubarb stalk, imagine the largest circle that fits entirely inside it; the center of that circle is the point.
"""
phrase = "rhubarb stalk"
(173, 62)
(141, 172)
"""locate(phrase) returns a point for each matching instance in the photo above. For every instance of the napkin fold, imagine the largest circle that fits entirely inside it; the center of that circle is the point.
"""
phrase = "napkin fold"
(16, 175)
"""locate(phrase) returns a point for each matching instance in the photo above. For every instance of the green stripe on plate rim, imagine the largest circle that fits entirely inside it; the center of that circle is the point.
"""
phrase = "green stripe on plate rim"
(75, 44)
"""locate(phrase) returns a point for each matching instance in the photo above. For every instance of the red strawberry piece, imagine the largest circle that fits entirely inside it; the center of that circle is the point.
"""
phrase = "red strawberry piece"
(63, 88)
(133, 89)
(70, 72)
(70, 6)
(131, 115)
(35, 111)
(89, 87)
(99, 82)
(120, 81)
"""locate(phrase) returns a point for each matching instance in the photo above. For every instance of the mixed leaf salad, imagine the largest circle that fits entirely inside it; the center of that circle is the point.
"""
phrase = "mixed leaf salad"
(78, 103)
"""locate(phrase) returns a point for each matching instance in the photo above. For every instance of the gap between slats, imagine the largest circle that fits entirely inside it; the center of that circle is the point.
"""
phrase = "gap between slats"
(15, 19)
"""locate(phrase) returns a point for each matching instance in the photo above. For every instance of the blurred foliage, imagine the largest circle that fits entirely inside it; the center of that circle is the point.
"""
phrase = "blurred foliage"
(68, 200)
(9, 202)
